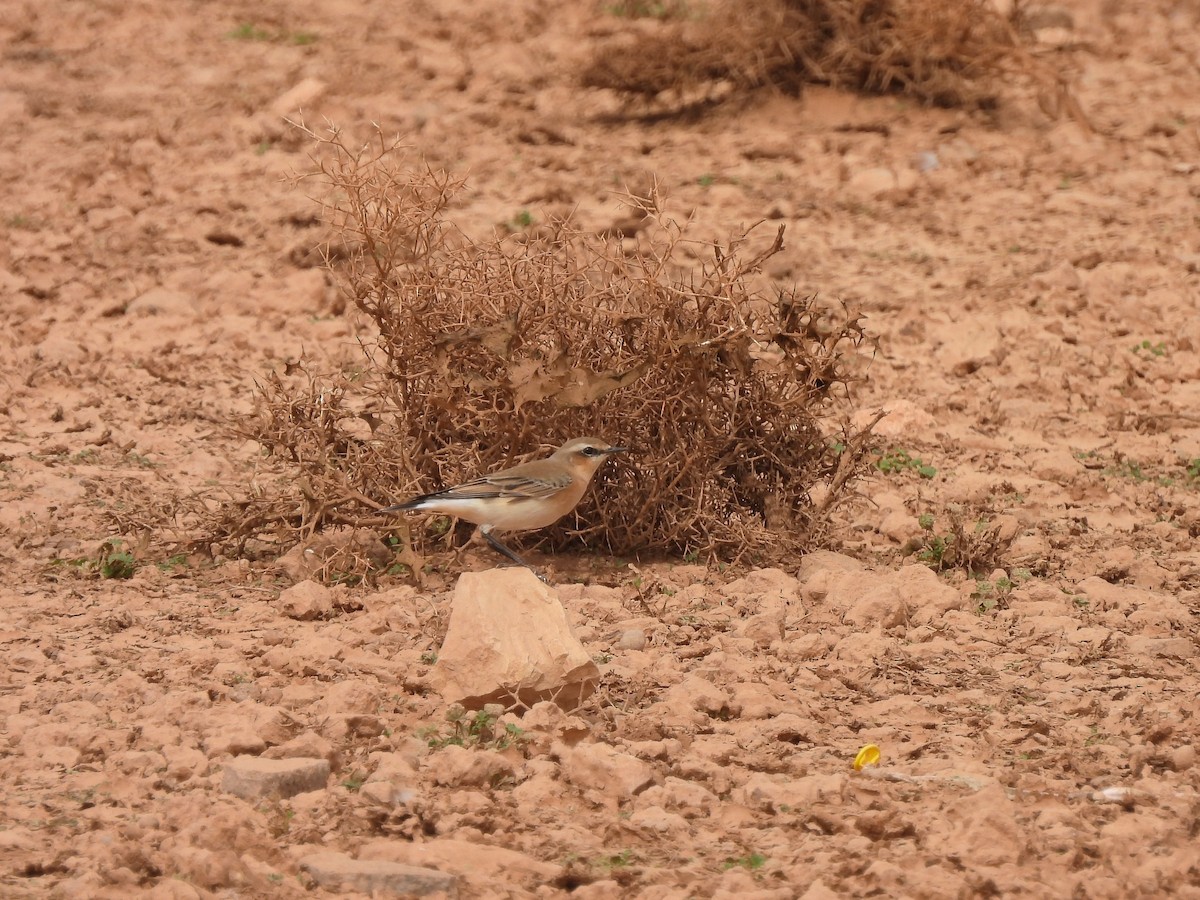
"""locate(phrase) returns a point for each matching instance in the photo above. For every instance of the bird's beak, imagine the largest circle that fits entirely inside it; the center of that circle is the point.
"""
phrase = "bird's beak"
(617, 450)
(389, 509)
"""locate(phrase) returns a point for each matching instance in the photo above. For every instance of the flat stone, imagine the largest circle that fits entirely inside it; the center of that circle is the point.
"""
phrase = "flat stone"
(600, 767)
(338, 872)
(252, 777)
(465, 858)
(305, 601)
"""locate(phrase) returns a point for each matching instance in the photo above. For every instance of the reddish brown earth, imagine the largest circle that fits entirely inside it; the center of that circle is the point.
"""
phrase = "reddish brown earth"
(1034, 296)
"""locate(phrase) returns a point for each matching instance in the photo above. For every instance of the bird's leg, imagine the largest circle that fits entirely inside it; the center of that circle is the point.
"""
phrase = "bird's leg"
(501, 548)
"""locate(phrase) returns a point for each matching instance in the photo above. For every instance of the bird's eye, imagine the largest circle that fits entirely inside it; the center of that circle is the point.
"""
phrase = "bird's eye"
(590, 451)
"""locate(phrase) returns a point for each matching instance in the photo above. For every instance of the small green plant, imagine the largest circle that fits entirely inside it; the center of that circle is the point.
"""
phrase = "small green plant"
(114, 562)
(521, 220)
(972, 543)
(20, 221)
(901, 460)
(993, 595)
(142, 462)
(1193, 469)
(1127, 468)
(355, 781)
(247, 31)
(178, 561)
(933, 553)
(429, 657)
(1154, 349)
(706, 180)
(613, 860)
(648, 9)
(752, 861)
(478, 730)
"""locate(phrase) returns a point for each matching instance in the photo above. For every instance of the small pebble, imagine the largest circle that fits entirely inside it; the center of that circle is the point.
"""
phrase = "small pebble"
(632, 639)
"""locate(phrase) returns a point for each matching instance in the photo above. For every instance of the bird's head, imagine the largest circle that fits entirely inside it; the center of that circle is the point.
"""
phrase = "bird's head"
(586, 454)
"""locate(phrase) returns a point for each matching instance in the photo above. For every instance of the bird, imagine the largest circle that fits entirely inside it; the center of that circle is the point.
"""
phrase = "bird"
(525, 497)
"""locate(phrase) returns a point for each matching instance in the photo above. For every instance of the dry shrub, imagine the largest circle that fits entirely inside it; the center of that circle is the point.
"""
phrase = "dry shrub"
(486, 352)
(943, 52)
(977, 541)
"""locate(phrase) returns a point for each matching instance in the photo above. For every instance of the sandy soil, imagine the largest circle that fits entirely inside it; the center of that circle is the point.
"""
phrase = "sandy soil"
(1033, 289)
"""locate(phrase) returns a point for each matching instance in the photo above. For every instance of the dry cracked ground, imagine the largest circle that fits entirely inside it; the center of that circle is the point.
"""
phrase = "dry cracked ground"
(1032, 286)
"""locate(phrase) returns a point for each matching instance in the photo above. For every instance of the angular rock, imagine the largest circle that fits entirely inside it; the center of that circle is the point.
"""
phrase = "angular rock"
(460, 767)
(252, 777)
(305, 601)
(824, 561)
(696, 693)
(982, 828)
(509, 636)
(602, 768)
(655, 818)
(306, 744)
(338, 872)
(886, 599)
(465, 858)
(161, 302)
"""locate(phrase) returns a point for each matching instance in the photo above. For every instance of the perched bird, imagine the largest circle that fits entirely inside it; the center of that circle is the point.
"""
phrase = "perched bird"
(522, 498)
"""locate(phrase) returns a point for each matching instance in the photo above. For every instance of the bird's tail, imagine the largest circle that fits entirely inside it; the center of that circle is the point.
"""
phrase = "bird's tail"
(414, 503)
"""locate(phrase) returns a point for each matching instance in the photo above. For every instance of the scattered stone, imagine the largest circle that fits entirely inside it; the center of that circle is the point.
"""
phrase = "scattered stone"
(303, 94)
(818, 890)
(1183, 758)
(335, 550)
(253, 777)
(703, 696)
(509, 637)
(966, 350)
(392, 767)
(983, 828)
(167, 889)
(306, 601)
(688, 797)
(549, 719)
(871, 183)
(605, 889)
(184, 762)
(632, 639)
(824, 561)
(1058, 465)
(655, 818)
(903, 419)
(233, 740)
(602, 768)
(161, 302)
(306, 744)
(460, 767)
(466, 859)
(338, 872)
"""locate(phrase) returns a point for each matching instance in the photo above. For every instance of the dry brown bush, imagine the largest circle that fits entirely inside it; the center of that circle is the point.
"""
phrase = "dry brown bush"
(485, 352)
(943, 52)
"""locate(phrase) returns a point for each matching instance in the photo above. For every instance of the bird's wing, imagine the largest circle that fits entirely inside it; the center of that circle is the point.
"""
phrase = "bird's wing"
(508, 486)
